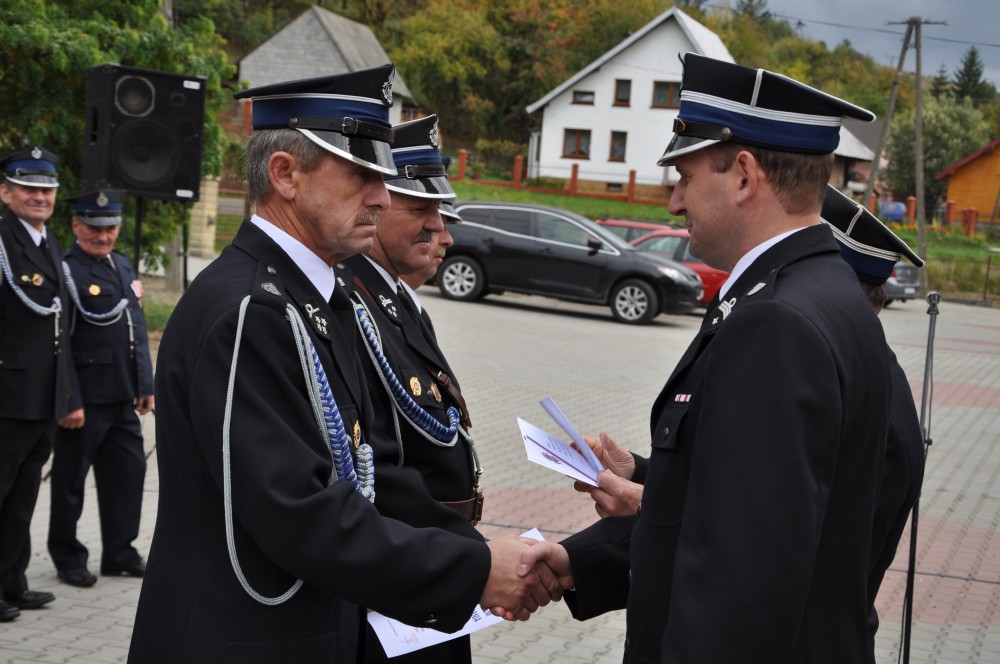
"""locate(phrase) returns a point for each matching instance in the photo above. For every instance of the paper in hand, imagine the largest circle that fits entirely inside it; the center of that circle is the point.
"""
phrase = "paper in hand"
(555, 413)
(546, 450)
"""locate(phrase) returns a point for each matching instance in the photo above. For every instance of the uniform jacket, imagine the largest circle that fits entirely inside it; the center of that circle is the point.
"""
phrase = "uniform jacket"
(753, 536)
(288, 522)
(435, 473)
(901, 479)
(110, 366)
(36, 371)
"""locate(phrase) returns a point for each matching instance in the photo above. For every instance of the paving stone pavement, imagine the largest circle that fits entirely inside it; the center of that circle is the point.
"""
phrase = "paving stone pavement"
(510, 352)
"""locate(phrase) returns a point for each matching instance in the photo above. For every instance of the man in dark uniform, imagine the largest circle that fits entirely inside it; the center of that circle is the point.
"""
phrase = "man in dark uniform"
(873, 250)
(431, 471)
(267, 547)
(115, 379)
(35, 367)
(753, 536)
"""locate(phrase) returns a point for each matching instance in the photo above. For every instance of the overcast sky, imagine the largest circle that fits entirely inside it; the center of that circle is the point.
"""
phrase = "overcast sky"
(863, 23)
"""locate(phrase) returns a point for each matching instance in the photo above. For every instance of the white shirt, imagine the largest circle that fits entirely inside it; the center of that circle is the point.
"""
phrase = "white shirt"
(748, 259)
(316, 270)
(36, 235)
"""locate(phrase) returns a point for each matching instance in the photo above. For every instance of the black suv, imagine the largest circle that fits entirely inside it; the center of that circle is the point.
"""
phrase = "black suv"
(547, 251)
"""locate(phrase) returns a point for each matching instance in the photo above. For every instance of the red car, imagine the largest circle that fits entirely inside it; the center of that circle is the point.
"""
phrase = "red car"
(631, 229)
(672, 243)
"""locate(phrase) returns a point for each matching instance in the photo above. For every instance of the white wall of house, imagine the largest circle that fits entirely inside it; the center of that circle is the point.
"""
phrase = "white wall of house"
(648, 129)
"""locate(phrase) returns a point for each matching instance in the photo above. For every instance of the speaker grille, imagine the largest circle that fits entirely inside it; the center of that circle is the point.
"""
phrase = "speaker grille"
(135, 96)
(144, 153)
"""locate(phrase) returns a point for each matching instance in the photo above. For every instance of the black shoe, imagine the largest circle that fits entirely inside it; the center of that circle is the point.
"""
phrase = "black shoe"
(30, 599)
(8, 612)
(132, 569)
(78, 576)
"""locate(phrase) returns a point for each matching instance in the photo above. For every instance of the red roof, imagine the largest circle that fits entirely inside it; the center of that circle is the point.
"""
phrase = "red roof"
(965, 160)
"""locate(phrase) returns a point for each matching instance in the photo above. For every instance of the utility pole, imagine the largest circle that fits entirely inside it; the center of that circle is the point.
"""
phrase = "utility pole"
(913, 27)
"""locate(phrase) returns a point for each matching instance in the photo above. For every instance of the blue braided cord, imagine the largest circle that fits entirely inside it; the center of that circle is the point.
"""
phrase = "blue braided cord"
(115, 313)
(410, 408)
(337, 438)
(28, 302)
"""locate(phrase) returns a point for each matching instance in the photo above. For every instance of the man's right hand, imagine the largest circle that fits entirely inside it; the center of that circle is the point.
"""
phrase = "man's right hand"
(512, 595)
(615, 494)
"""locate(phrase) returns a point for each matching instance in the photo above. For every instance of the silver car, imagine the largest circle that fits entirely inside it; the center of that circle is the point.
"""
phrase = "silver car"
(903, 285)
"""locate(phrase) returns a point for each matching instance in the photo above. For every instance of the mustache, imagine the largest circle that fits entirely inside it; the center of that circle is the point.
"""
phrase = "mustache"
(368, 217)
(424, 236)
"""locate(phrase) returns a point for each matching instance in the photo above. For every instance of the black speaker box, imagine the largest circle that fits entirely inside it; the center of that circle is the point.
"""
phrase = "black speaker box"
(143, 132)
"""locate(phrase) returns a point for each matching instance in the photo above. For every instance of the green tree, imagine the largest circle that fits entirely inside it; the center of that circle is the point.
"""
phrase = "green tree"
(941, 85)
(969, 83)
(46, 48)
(943, 145)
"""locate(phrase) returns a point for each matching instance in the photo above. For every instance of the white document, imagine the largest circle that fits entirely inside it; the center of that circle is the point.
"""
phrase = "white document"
(399, 638)
(555, 413)
(546, 450)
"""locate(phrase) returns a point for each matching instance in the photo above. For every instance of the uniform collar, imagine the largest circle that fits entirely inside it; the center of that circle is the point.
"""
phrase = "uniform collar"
(394, 285)
(413, 295)
(748, 259)
(316, 270)
(36, 235)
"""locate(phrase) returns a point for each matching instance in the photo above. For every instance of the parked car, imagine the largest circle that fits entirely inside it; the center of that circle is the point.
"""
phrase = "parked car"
(630, 229)
(557, 253)
(674, 243)
(903, 285)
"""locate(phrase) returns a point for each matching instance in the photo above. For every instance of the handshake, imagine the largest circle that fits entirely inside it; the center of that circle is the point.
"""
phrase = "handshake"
(524, 575)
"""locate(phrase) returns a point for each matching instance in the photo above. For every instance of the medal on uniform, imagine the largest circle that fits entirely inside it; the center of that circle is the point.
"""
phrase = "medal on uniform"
(357, 434)
(94, 289)
(37, 279)
(435, 392)
(415, 387)
(25, 278)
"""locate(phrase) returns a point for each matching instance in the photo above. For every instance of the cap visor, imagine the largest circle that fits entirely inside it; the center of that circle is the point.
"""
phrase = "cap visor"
(449, 216)
(100, 221)
(376, 155)
(432, 187)
(682, 145)
(34, 180)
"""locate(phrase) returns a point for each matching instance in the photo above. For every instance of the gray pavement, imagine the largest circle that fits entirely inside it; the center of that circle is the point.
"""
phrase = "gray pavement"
(510, 352)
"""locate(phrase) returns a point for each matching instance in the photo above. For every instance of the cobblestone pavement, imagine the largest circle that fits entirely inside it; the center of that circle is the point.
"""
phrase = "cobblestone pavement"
(510, 352)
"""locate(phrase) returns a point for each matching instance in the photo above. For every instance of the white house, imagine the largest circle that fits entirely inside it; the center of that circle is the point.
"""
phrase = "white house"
(617, 114)
(321, 43)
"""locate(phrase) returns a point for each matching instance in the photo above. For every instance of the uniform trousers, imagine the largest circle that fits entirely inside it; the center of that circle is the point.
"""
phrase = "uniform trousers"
(24, 448)
(111, 442)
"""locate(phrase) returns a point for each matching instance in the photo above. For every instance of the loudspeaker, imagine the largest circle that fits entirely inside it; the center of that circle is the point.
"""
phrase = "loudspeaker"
(143, 132)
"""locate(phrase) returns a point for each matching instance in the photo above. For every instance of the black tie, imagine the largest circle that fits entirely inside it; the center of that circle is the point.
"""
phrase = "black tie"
(44, 246)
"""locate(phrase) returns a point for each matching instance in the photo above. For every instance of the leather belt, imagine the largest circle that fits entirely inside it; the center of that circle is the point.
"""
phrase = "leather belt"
(470, 508)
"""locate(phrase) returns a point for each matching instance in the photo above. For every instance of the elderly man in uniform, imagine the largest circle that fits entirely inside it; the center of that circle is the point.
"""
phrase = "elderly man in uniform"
(753, 537)
(427, 463)
(267, 547)
(115, 378)
(35, 366)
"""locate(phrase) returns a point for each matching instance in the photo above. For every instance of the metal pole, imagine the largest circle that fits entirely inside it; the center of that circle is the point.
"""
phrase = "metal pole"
(918, 152)
(137, 239)
(933, 298)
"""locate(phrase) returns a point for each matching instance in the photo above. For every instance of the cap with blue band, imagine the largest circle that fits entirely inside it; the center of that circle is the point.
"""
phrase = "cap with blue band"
(31, 167)
(99, 208)
(420, 171)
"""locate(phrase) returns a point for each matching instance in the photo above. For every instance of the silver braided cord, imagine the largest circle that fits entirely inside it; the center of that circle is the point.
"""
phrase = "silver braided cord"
(36, 308)
(328, 420)
(107, 318)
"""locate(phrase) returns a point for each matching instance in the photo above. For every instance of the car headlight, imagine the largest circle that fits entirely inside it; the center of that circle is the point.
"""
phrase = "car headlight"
(672, 273)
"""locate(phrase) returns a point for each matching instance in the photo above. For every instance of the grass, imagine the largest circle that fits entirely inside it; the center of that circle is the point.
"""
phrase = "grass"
(156, 313)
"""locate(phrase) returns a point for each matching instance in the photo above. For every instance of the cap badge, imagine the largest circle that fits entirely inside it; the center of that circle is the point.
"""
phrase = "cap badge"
(102, 200)
(36, 152)
(387, 91)
(433, 136)
(37, 279)
(270, 288)
(94, 289)
(415, 387)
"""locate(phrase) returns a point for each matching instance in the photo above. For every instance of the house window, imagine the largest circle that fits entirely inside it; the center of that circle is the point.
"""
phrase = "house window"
(623, 92)
(582, 97)
(614, 187)
(617, 146)
(666, 95)
(576, 143)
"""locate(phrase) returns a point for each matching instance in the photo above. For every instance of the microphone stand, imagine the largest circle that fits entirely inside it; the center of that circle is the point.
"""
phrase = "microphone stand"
(932, 300)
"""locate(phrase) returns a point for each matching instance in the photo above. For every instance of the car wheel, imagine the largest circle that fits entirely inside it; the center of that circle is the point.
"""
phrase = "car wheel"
(461, 278)
(887, 303)
(634, 301)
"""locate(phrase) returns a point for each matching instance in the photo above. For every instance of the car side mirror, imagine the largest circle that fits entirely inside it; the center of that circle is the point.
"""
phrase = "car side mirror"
(594, 245)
